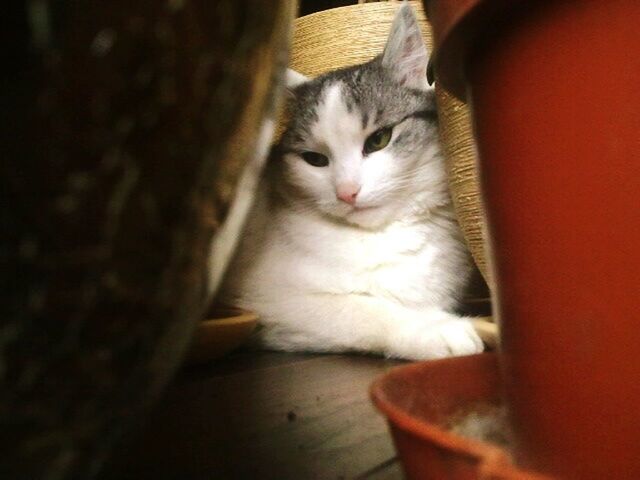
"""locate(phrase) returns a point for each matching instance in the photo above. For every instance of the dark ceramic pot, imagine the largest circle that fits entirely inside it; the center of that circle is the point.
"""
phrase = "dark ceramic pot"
(554, 91)
(118, 121)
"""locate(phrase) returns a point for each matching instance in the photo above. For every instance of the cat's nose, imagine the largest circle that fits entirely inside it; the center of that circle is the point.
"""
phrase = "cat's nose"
(348, 192)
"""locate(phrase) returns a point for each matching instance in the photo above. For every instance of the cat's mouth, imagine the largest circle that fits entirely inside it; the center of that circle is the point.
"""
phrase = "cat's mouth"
(357, 212)
(366, 216)
(362, 208)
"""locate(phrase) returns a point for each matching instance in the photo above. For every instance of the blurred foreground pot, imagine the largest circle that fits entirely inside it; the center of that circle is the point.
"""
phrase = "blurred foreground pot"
(554, 93)
(119, 143)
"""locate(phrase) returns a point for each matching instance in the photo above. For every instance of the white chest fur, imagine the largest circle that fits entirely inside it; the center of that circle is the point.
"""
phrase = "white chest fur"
(325, 286)
(415, 262)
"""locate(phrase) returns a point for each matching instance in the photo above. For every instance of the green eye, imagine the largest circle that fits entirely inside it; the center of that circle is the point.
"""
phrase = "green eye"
(378, 140)
(314, 158)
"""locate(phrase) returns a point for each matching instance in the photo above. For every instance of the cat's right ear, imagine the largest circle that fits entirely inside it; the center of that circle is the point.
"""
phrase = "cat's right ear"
(294, 79)
(405, 53)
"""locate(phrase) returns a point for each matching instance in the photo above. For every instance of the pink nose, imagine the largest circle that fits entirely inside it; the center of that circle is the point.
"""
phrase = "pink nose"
(348, 193)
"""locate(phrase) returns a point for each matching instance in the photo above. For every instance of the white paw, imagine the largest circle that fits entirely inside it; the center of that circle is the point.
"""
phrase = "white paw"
(460, 338)
(447, 339)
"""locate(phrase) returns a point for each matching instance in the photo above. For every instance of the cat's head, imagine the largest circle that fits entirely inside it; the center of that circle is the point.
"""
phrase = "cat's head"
(361, 144)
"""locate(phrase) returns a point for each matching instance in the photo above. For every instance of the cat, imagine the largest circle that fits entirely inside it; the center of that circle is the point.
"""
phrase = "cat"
(352, 245)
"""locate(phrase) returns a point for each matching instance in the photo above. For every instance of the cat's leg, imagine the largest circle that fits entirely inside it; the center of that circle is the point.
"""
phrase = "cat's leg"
(439, 333)
(333, 323)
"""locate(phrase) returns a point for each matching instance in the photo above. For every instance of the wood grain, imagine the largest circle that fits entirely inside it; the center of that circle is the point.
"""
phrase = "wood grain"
(266, 416)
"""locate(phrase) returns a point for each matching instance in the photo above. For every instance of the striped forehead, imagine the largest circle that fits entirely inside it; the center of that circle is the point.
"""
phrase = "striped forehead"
(338, 121)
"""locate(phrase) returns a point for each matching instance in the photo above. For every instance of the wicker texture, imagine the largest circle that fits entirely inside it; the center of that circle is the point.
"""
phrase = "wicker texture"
(346, 36)
(460, 153)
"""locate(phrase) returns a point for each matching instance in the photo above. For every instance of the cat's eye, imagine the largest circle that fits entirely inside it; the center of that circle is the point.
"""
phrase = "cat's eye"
(314, 158)
(378, 140)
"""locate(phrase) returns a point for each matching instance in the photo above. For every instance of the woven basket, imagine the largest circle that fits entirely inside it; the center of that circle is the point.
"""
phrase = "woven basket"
(346, 36)
(460, 154)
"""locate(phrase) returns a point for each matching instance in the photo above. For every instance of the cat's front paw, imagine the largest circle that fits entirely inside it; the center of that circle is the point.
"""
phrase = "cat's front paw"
(460, 338)
(447, 339)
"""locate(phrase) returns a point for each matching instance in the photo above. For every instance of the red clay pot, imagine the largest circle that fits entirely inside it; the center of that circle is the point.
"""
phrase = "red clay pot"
(554, 88)
(421, 400)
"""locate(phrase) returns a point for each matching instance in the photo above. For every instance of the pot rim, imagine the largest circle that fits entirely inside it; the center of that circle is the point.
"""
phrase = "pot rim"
(456, 24)
(491, 459)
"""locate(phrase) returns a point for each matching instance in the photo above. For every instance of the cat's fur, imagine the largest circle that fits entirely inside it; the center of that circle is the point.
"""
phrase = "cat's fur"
(384, 274)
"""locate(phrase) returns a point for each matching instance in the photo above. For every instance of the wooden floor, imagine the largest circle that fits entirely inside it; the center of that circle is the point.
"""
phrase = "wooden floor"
(265, 416)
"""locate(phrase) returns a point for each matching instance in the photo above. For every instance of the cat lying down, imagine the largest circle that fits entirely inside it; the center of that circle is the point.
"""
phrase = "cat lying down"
(352, 244)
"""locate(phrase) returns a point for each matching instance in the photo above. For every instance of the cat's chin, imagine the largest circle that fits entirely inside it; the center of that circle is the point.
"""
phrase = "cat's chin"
(368, 217)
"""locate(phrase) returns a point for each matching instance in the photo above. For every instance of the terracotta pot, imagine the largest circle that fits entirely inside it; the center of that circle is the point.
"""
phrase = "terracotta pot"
(118, 120)
(554, 93)
(423, 401)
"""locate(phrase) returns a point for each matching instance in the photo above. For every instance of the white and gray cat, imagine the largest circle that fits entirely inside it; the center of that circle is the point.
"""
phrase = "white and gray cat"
(353, 244)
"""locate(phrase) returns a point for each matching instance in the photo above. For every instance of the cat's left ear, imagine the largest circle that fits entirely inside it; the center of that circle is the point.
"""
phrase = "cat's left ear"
(294, 79)
(405, 53)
